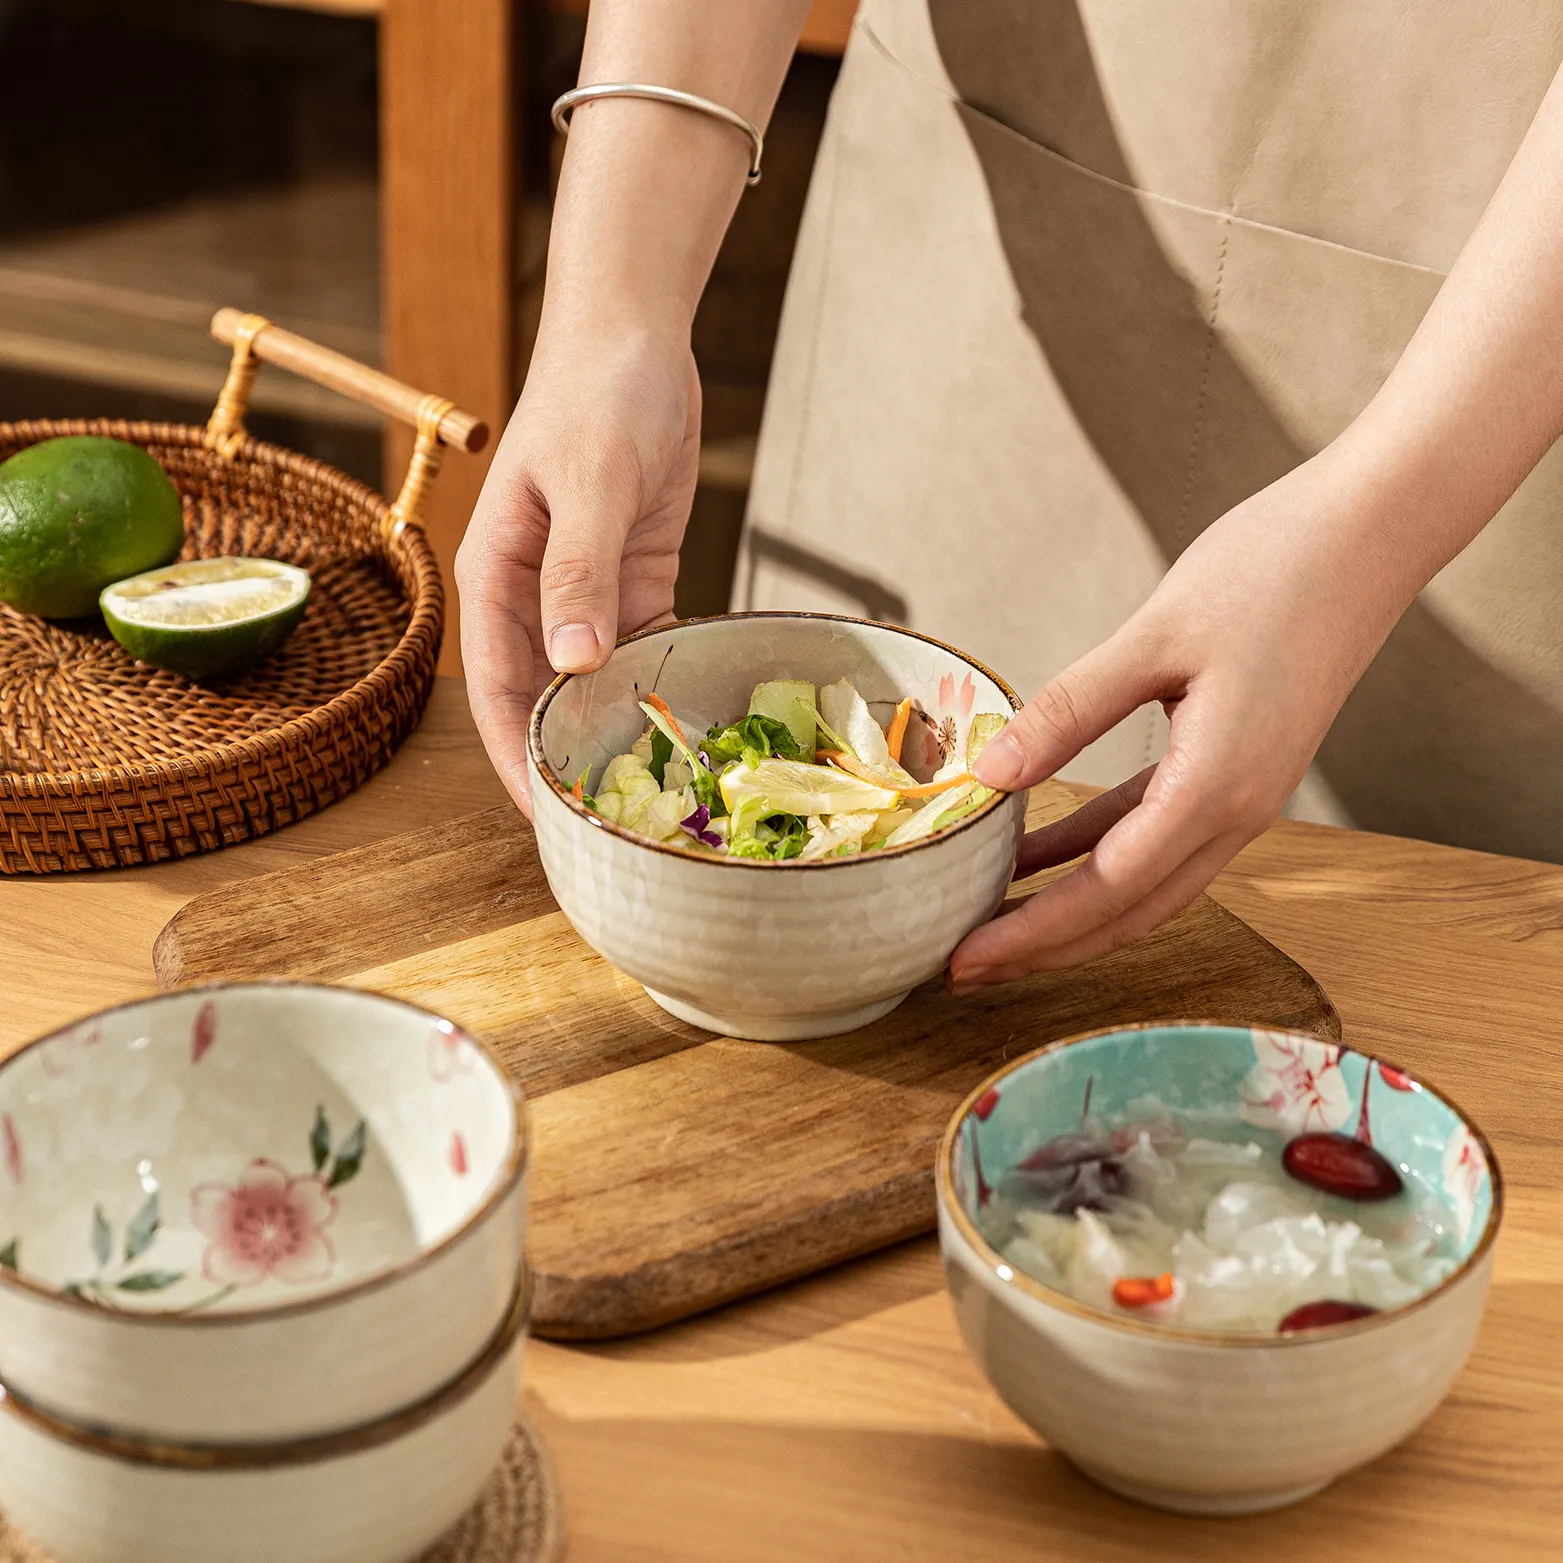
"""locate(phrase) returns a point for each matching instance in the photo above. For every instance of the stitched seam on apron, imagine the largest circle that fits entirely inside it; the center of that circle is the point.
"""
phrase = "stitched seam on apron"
(1135, 190)
(1204, 388)
(810, 374)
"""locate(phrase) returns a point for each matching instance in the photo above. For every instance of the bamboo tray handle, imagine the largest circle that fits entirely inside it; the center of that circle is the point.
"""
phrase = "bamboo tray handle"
(255, 340)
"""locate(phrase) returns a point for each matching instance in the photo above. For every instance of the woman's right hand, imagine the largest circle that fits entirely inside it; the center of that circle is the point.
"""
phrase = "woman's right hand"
(575, 538)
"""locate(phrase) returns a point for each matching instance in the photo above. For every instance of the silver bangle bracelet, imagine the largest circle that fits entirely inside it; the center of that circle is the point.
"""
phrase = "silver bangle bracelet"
(684, 100)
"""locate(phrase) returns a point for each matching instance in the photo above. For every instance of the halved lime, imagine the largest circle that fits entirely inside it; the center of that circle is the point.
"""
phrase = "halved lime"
(206, 618)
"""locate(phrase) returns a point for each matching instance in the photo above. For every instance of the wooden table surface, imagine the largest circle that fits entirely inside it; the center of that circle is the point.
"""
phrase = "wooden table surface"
(840, 1418)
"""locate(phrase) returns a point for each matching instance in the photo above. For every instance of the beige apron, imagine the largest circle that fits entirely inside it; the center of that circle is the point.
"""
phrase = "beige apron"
(1078, 275)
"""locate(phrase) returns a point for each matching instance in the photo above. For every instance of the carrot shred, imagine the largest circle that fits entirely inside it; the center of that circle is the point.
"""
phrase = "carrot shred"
(854, 767)
(661, 705)
(897, 734)
(578, 791)
(929, 789)
(1140, 1291)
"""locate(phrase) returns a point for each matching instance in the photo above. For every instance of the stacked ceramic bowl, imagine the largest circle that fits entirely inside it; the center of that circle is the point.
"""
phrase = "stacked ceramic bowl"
(261, 1288)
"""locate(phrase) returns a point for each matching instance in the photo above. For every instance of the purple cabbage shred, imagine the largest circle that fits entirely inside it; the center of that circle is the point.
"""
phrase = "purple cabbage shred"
(696, 824)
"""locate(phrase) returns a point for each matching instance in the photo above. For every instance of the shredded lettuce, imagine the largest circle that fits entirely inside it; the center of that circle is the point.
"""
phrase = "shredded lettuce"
(704, 783)
(838, 836)
(985, 727)
(847, 710)
(664, 815)
(973, 801)
(790, 701)
(754, 788)
(661, 753)
(926, 820)
(777, 837)
(754, 739)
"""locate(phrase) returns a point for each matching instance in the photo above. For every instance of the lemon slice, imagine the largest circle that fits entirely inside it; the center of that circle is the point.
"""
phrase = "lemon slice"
(792, 787)
(206, 618)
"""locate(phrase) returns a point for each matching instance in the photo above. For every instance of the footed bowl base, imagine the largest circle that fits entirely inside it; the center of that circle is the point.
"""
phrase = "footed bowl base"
(1211, 1503)
(778, 1028)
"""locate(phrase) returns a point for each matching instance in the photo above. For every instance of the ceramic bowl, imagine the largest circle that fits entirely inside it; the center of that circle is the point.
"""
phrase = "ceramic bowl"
(253, 1212)
(1201, 1421)
(769, 951)
(381, 1493)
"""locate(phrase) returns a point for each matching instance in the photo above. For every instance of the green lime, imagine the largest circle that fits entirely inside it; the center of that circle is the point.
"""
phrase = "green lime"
(206, 618)
(77, 513)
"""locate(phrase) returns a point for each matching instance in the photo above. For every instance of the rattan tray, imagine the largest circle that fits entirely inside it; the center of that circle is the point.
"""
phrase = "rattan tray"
(105, 762)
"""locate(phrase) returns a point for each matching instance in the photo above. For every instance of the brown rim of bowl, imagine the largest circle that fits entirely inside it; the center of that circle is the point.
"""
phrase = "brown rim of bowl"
(993, 1261)
(509, 1175)
(316, 1448)
(534, 743)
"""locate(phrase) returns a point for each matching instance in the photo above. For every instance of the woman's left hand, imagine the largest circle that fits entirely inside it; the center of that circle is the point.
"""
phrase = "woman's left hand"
(1251, 642)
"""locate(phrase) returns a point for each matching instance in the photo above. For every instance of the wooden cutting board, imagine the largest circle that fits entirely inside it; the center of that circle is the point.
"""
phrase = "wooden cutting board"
(674, 1170)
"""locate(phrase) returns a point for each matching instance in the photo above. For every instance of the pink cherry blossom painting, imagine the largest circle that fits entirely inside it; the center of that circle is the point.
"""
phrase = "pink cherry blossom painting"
(11, 1148)
(204, 1032)
(268, 1224)
(1295, 1085)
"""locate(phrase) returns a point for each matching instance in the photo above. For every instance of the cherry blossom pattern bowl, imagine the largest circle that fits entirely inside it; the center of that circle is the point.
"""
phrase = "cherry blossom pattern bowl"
(769, 951)
(381, 1493)
(255, 1212)
(1213, 1422)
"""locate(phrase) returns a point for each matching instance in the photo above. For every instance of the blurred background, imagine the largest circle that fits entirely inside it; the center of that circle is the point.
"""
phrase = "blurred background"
(375, 174)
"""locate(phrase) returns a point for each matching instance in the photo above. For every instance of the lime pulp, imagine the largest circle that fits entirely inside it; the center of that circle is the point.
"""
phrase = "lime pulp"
(206, 618)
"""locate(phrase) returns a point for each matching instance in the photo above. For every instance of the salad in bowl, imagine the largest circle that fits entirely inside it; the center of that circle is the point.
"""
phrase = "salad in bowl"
(769, 819)
(804, 774)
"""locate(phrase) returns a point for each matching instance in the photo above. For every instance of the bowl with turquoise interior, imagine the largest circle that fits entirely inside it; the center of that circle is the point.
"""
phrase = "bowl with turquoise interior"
(252, 1213)
(1201, 1420)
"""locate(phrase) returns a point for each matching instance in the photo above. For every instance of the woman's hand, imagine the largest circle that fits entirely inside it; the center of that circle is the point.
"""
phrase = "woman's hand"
(1251, 642)
(575, 538)
(1258, 633)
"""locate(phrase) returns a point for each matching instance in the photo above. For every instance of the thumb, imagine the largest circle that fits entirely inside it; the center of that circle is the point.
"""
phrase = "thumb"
(1087, 699)
(579, 580)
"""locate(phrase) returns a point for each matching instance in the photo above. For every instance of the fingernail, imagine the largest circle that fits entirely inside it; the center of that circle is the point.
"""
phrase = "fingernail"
(573, 647)
(967, 980)
(1000, 764)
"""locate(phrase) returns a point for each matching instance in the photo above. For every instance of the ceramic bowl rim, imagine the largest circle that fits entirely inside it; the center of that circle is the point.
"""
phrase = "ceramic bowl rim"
(994, 1263)
(316, 1448)
(510, 1174)
(535, 753)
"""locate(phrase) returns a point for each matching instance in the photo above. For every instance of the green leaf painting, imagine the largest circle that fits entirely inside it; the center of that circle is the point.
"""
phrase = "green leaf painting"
(102, 1236)
(143, 1228)
(349, 1156)
(150, 1281)
(320, 1140)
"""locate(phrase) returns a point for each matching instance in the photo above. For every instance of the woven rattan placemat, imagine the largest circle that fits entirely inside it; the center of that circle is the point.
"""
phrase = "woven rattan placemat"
(518, 1519)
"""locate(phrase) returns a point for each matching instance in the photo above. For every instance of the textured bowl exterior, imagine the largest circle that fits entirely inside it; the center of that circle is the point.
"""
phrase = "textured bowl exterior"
(255, 1377)
(293, 1362)
(386, 1504)
(772, 946)
(1203, 1427)
(1213, 1422)
(770, 951)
